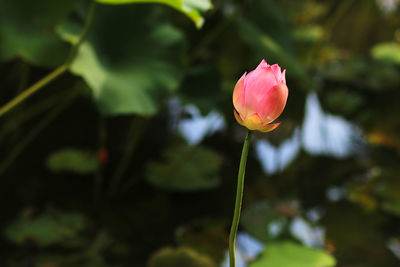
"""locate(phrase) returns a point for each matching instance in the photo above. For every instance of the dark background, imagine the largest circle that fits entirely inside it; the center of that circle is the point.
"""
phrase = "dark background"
(99, 168)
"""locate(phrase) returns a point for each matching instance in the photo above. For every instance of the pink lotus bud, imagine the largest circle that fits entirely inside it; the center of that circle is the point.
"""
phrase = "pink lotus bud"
(260, 97)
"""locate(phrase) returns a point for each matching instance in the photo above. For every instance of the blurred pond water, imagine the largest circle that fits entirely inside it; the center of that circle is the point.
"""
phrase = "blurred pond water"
(320, 134)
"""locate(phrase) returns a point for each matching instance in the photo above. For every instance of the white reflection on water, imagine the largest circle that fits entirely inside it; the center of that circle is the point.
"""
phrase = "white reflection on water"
(308, 235)
(275, 159)
(247, 249)
(195, 128)
(326, 134)
(321, 134)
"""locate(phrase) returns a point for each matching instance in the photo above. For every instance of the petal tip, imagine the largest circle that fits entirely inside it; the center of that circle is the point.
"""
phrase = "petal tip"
(269, 127)
(237, 117)
(263, 64)
(284, 76)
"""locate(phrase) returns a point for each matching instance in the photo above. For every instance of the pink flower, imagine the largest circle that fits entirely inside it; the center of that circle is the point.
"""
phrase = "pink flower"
(260, 97)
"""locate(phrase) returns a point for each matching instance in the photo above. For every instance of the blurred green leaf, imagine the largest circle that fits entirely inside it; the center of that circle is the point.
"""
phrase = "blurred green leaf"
(262, 221)
(181, 256)
(353, 231)
(309, 33)
(264, 45)
(388, 188)
(289, 254)
(46, 229)
(387, 52)
(34, 46)
(208, 237)
(346, 70)
(343, 101)
(185, 168)
(73, 160)
(27, 31)
(202, 87)
(130, 59)
(191, 8)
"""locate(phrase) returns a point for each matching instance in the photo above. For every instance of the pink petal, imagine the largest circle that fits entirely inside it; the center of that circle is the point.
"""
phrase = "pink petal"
(263, 64)
(239, 95)
(258, 83)
(277, 72)
(283, 76)
(272, 103)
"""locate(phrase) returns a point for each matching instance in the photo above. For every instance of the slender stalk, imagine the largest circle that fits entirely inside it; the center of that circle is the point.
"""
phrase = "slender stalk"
(33, 89)
(136, 131)
(84, 33)
(239, 198)
(54, 74)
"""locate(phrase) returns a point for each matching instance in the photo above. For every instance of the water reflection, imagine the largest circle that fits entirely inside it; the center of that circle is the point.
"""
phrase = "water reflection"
(321, 134)
(247, 249)
(324, 134)
(195, 128)
(275, 159)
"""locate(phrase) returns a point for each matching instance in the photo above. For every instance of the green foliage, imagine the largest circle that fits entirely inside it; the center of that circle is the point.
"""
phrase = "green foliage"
(128, 74)
(73, 160)
(27, 31)
(135, 58)
(289, 254)
(309, 33)
(206, 237)
(181, 256)
(191, 8)
(387, 52)
(263, 44)
(201, 87)
(185, 168)
(46, 229)
(257, 219)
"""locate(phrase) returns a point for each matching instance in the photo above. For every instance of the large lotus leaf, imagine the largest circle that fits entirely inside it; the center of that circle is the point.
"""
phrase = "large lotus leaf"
(192, 8)
(130, 59)
(186, 168)
(26, 31)
(182, 256)
(289, 254)
(46, 229)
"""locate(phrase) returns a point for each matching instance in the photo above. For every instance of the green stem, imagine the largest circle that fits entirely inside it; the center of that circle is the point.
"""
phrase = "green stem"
(33, 89)
(84, 33)
(54, 74)
(136, 131)
(239, 198)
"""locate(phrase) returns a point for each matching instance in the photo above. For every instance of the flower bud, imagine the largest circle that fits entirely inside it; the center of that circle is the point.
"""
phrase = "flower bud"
(260, 96)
